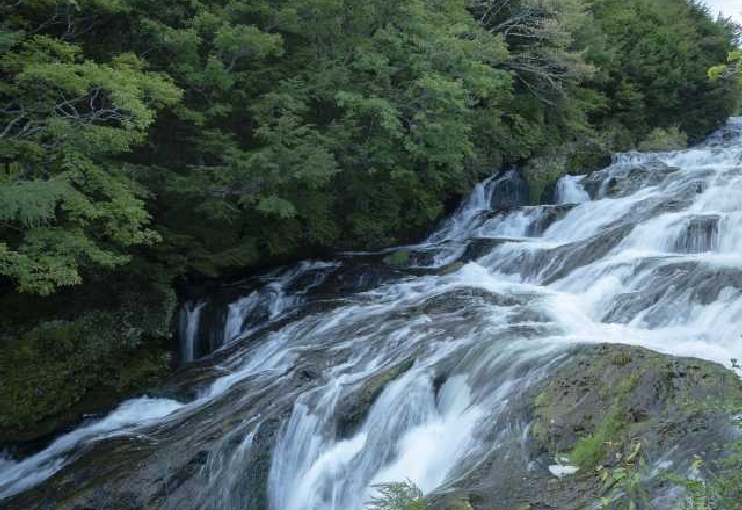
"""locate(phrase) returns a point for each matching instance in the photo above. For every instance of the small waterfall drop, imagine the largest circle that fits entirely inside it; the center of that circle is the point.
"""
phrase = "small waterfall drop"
(189, 320)
(570, 190)
(206, 326)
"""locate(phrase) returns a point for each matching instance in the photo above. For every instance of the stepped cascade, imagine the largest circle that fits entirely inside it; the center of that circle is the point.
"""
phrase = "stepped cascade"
(305, 387)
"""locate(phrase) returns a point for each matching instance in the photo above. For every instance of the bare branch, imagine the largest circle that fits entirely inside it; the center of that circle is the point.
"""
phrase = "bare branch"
(12, 123)
(538, 39)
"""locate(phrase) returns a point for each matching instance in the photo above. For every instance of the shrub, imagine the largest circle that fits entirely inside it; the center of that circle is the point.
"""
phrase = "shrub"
(398, 496)
(665, 140)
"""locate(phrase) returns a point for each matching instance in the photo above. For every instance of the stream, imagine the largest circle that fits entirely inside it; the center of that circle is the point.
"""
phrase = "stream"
(303, 388)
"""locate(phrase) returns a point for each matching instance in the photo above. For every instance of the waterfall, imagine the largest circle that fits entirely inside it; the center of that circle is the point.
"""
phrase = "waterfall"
(279, 293)
(189, 320)
(328, 389)
(497, 192)
(570, 190)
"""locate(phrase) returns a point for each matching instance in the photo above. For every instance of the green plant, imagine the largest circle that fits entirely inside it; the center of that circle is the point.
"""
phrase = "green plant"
(591, 450)
(623, 487)
(719, 488)
(398, 258)
(398, 496)
(664, 140)
(733, 68)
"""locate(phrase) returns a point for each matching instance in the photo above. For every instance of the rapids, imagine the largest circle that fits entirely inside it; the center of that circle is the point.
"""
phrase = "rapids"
(267, 412)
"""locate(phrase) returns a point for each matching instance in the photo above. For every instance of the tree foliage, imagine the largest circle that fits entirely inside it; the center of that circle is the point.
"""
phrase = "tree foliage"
(65, 200)
(195, 138)
(664, 140)
(732, 69)
(653, 67)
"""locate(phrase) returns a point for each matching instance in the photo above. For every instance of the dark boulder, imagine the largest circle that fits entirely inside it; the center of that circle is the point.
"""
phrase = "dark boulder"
(511, 191)
(626, 179)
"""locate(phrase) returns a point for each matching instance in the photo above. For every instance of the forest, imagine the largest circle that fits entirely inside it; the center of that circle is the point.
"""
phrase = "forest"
(184, 140)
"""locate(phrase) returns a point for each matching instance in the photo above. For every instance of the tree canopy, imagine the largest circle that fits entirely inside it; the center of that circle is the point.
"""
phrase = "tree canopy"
(200, 137)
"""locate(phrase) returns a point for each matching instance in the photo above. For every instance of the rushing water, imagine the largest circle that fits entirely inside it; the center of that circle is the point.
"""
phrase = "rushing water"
(570, 190)
(647, 251)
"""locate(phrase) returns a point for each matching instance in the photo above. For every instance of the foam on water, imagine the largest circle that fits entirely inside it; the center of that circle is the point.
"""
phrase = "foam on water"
(571, 191)
(131, 415)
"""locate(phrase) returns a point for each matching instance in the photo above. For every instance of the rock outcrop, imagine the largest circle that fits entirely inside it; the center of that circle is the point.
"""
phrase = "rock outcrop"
(609, 407)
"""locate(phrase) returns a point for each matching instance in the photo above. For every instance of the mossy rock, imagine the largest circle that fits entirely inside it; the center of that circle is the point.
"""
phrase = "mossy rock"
(56, 370)
(599, 401)
(451, 268)
(606, 399)
(398, 258)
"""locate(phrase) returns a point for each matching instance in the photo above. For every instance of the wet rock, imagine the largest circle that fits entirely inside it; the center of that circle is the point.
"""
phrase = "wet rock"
(479, 247)
(255, 487)
(460, 299)
(175, 465)
(450, 268)
(186, 383)
(619, 394)
(626, 179)
(549, 216)
(595, 409)
(555, 263)
(352, 410)
(214, 316)
(664, 282)
(700, 235)
(423, 257)
(511, 191)
(550, 194)
(357, 274)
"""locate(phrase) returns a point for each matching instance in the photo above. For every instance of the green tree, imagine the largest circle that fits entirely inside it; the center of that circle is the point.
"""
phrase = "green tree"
(656, 71)
(664, 140)
(198, 138)
(732, 69)
(65, 203)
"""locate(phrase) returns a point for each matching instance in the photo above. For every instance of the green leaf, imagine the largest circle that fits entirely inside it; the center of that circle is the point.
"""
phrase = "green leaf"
(276, 206)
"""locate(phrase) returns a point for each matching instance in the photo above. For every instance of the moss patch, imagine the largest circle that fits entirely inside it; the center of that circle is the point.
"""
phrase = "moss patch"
(605, 400)
(57, 370)
(398, 258)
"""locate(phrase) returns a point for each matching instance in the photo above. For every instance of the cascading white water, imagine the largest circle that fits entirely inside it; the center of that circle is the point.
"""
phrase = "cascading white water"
(653, 260)
(471, 219)
(17, 476)
(278, 296)
(188, 323)
(570, 190)
(237, 315)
